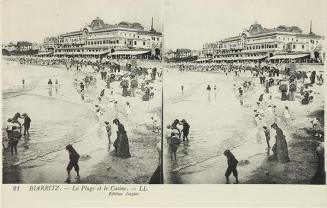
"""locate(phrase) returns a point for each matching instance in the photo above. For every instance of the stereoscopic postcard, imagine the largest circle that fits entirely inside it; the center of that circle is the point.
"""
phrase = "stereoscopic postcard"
(163, 103)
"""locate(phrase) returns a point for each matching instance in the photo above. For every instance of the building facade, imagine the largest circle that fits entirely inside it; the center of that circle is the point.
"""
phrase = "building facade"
(183, 53)
(259, 43)
(51, 43)
(98, 39)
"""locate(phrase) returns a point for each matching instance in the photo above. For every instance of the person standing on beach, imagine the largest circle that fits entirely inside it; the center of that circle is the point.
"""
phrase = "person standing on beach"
(108, 129)
(82, 90)
(185, 130)
(121, 143)
(208, 89)
(313, 77)
(13, 140)
(15, 120)
(9, 127)
(240, 92)
(50, 83)
(57, 86)
(174, 142)
(174, 126)
(9, 132)
(215, 90)
(287, 115)
(182, 88)
(280, 148)
(26, 124)
(73, 163)
(50, 87)
(168, 134)
(23, 82)
(128, 109)
(232, 164)
(155, 124)
(267, 135)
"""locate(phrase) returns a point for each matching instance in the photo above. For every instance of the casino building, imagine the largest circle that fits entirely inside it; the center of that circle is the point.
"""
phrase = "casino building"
(99, 39)
(258, 43)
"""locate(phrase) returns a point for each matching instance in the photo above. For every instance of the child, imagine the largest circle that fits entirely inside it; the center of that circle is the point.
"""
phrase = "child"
(155, 124)
(267, 134)
(73, 162)
(232, 163)
(108, 129)
(174, 144)
(13, 139)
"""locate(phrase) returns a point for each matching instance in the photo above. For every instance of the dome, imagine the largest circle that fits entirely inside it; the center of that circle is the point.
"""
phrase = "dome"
(97, 24)
(123, 24)
(255, 28)
(137, 25)
(282, 28)
(296, 29)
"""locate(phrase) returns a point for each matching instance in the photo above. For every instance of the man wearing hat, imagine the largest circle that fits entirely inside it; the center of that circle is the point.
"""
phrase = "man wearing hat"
(26, 124)
(185, 130)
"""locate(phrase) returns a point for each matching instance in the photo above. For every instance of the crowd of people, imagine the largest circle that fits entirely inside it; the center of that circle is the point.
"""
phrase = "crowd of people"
(14, 128)
(175, 135)
(133, 80)
(269, 114)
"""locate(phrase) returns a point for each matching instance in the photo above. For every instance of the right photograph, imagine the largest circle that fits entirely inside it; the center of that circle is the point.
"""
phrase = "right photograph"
(243, 92)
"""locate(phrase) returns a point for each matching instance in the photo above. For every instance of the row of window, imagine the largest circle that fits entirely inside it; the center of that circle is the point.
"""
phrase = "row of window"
(295, 46)
(81, 50)
(232, 56)
(262, 46)
(130, 35)
(254, 40)
(99, 42)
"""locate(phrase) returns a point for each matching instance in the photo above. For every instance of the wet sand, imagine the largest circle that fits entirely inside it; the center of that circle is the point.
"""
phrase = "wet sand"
(200, 161)
(43, 159)
(303, 161)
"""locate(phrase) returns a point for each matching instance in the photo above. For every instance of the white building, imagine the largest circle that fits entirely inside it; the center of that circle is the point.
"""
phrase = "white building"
(258, 43)
(123, 40)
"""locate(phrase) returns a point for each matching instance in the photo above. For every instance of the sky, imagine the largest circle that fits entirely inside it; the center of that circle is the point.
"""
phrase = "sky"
(185, 23)
(191, 23)
(33, 20)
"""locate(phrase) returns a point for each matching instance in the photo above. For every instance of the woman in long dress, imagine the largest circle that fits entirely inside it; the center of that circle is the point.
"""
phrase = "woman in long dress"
(121, 143)
(280, 148)
(287, 115)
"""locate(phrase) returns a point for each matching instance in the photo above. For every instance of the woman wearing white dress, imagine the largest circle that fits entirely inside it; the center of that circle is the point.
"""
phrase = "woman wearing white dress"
(128, 109)
(287, 115)
(57, 86)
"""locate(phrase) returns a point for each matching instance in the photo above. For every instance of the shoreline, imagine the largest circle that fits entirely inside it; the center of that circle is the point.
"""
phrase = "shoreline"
(254, 168)
(101, 166)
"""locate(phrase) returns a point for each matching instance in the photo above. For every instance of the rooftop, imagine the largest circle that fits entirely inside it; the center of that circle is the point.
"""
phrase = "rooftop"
(98, 25)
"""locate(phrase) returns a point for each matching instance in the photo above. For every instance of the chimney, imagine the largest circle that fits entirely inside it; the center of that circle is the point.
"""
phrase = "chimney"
(310, 27)
(152, 24)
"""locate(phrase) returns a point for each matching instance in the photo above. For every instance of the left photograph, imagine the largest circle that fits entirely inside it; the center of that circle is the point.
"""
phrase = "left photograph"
(81, 92)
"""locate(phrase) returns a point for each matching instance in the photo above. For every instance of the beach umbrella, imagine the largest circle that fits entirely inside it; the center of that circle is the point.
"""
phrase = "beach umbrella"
(134, 83)
(124, 83)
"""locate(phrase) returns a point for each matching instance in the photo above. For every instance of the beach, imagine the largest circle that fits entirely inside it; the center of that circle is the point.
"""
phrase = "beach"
(218, 122)
(64, 118)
